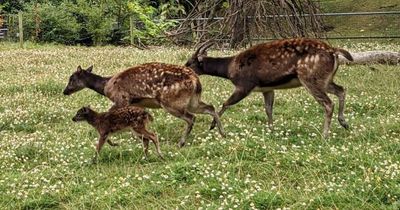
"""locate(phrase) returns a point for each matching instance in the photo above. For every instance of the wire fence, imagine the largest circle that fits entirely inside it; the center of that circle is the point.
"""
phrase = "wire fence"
(373, 25)
(336, 20)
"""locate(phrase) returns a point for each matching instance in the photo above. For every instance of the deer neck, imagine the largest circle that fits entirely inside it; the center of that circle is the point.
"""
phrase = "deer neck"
(217, 66)
(96, 82)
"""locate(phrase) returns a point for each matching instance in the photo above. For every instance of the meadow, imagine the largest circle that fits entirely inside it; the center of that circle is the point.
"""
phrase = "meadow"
(45, 158)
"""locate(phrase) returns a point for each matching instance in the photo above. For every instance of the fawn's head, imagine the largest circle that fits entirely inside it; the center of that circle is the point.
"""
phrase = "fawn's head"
(82, 114)
(196, 61)
(77, 80)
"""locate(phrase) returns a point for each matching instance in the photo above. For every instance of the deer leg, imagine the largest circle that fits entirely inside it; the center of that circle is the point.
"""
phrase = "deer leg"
(204, 108)
(156, 143)
(269, 103)
(189, 118)
(184, 115)
(99, 145)
(112, 143)
(145, 142)
(322, 98)
(147, 136)
(237, 96)
(341, 94)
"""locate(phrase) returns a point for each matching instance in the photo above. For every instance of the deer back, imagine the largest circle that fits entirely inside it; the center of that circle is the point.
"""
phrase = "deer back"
(151, 81)
(281, 60)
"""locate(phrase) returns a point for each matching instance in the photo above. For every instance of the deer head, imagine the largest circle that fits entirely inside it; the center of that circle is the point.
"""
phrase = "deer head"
(196, 61)
(77, 80)
(83, 114)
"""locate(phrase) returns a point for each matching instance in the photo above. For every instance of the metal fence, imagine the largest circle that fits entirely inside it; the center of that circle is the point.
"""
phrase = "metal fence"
(327, 17)
(10, 25)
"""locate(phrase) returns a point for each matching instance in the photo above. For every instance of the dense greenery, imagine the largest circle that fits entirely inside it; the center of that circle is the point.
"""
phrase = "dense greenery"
(98, 22)
(45, 157)
(94, 22)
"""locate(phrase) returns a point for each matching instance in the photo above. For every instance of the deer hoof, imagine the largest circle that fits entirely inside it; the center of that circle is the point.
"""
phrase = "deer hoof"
(344, 124)
(213, 124)
(181, 144)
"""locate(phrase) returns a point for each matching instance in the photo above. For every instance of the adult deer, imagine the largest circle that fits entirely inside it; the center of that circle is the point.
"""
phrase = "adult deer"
(280, 64)
(176, 89)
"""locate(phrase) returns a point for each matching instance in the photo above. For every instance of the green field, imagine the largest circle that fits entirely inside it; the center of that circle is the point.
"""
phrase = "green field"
(372, 25)
(45, 158)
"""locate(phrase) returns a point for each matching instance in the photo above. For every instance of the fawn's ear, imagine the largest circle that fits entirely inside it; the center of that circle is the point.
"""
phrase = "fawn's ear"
(87, 109)
(90, 68)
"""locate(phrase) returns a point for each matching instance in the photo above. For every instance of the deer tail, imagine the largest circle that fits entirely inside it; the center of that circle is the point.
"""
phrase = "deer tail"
(344, 53)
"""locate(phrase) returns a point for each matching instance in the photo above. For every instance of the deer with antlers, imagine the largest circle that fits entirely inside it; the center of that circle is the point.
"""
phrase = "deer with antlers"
(280, 64)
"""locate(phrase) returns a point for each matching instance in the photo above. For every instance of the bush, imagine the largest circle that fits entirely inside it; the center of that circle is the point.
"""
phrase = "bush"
(96, 22)
(55, 24)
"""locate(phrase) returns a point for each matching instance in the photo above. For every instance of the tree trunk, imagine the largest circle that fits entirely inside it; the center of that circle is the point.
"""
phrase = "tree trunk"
(238, 21)
(373, 57)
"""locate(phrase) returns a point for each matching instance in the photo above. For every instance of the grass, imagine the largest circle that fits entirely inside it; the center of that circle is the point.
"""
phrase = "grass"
(45, 158)
(374, 25)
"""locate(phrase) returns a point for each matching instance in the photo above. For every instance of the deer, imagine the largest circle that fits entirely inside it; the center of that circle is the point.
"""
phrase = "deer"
(280, 64)
(176, 89)
(107, 123)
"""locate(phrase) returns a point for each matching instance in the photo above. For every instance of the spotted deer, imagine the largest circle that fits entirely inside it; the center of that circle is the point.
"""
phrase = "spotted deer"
(280, 64)
(107, 123)
(177, 89)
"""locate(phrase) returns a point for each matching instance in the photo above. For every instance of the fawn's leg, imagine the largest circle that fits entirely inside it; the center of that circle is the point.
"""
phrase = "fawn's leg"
(99, 145)
(184, 115)
(204, 108)
(322, 98)
(146, 137)
(341, 94)
(269, 104)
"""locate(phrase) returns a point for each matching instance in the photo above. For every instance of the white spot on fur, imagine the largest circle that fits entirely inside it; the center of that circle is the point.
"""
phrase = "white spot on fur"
(316, 59)
(312, 59)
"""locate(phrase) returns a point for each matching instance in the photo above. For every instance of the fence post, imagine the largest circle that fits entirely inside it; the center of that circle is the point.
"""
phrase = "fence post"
(21, 30)
(131, 27)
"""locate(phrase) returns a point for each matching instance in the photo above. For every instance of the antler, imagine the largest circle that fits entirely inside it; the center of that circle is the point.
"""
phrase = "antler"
(203, 48)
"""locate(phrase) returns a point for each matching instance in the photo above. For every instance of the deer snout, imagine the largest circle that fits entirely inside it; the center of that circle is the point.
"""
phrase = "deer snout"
(66, 92)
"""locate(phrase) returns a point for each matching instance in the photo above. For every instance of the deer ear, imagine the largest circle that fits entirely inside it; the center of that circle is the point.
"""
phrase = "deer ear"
(200, 58)
(90, 68)
(85, 109)
(79, 68)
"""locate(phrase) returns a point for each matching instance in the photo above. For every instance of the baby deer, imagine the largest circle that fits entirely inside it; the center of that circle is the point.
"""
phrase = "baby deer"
(107, 123)
(176, 89)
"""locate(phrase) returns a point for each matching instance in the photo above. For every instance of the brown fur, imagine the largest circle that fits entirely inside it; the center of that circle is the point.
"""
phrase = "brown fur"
(279, 64)
(177, 89)
(107, 123)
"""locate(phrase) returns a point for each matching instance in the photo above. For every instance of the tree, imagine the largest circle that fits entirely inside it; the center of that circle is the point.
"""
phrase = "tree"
(245, 19)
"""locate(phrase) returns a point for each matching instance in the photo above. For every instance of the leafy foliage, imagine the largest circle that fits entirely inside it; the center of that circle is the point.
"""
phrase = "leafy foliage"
(94, 22)
(152, 22)
(56, 24)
